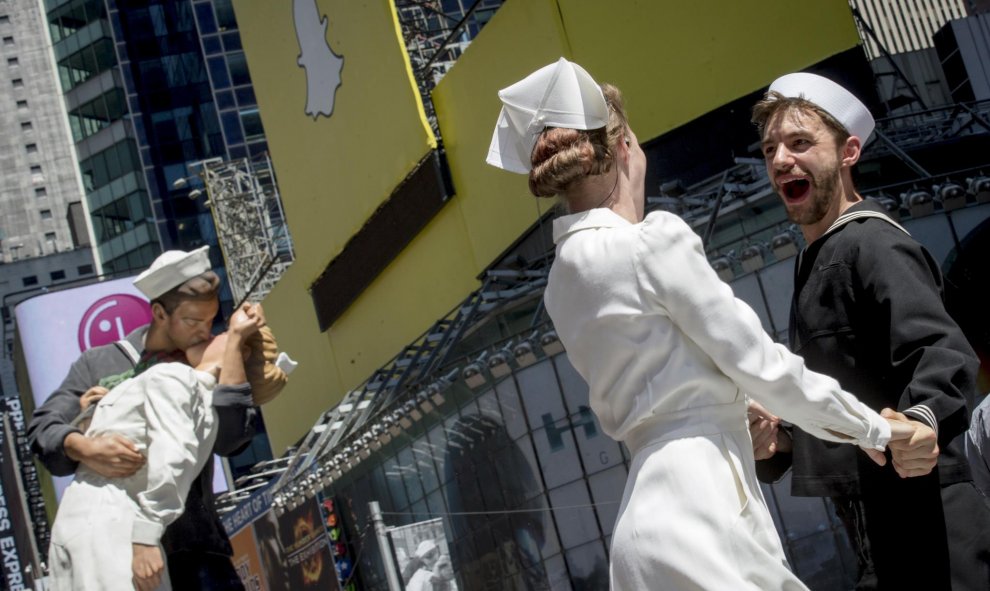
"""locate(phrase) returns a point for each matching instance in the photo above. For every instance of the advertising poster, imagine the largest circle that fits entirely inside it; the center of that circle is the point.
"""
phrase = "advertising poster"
(87, 317)
(342, 561)
(305, 549)
(15, 528)
(273, 568)
(247, 561)
(423, 557)
(16, 453)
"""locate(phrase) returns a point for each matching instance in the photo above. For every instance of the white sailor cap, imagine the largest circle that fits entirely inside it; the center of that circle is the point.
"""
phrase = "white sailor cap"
(831, 97)
(562, 94)
(425, 547)
(171, 269)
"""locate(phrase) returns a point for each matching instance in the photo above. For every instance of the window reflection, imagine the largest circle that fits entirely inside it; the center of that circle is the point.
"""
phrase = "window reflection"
(587, 567)
(97, 114)
(82, 65)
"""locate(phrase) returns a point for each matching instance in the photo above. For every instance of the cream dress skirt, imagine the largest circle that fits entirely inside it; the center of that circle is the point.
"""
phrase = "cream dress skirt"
(693, 516)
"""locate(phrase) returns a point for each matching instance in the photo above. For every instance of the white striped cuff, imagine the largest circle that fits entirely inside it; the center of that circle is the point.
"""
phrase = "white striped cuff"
(923, 414)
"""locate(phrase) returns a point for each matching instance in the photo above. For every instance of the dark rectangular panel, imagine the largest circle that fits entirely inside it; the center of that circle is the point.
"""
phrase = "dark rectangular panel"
(393, 225)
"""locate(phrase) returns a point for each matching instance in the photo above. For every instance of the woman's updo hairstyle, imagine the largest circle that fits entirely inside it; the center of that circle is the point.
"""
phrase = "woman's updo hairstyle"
(562, 156)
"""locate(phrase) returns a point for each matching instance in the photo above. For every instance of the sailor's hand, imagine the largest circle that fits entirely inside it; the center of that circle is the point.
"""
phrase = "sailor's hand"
(913, 445)
(764, 428)
(110, 456)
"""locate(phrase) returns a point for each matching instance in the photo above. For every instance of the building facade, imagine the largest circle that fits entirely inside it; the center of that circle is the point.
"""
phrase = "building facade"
(153, 90)
(40, 179)
(45, 237)
(925, 54)
(92, 85)
(903, 25)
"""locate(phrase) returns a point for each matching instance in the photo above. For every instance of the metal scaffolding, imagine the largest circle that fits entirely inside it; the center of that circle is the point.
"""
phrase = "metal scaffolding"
(436, 34)
(404, 389)
(250, 223)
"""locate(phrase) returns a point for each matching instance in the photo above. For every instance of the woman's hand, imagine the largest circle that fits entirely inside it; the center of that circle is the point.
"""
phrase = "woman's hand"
(90, 396)
(257, 312)
(147, 566)
(245, 321)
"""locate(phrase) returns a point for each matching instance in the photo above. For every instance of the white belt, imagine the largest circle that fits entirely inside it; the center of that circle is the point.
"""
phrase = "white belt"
(690, 422)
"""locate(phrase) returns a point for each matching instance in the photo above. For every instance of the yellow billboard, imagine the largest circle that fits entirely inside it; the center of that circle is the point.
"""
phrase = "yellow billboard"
(345, 125)
(340, 108)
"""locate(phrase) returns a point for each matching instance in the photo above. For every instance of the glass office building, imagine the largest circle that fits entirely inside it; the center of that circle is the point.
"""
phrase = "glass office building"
(83, 44)
(153, 89)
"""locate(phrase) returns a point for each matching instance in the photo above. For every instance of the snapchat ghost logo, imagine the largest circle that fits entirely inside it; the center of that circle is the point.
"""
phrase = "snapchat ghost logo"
(321, 64)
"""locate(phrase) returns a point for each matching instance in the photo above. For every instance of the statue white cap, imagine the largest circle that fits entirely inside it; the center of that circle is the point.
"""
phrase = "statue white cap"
(562, 94)
(171, 269)
(831, 97)
(425, 547)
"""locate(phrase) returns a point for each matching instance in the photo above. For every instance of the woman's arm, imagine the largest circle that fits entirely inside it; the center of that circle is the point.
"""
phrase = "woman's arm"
(232, 398)
(242, 325)
(675, 274)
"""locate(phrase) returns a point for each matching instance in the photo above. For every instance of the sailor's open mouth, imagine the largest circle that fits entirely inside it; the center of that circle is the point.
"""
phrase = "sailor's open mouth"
(795, 189)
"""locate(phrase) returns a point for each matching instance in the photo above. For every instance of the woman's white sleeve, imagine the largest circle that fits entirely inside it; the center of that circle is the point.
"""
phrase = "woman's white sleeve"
(674, 271)
(173, 403)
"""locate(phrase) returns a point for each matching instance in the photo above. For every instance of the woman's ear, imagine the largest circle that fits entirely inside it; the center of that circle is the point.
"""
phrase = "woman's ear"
(621, 150)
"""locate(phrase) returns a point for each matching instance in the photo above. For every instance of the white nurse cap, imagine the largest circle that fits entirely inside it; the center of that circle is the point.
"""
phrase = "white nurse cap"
(562, 94)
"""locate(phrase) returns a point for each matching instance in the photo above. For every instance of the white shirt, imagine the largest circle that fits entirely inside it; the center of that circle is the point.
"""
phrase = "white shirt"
(654, 331)
(167, 412)
(420, 581)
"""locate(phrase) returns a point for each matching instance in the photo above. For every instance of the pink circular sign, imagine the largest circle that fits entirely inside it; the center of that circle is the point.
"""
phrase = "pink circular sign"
(112, 318)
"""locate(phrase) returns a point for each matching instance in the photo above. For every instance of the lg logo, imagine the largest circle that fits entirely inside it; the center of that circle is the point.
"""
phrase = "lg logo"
(112, 318)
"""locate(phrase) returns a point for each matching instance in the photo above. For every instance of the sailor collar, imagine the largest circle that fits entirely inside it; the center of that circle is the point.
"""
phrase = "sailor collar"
(586, 220)
(863, 209)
